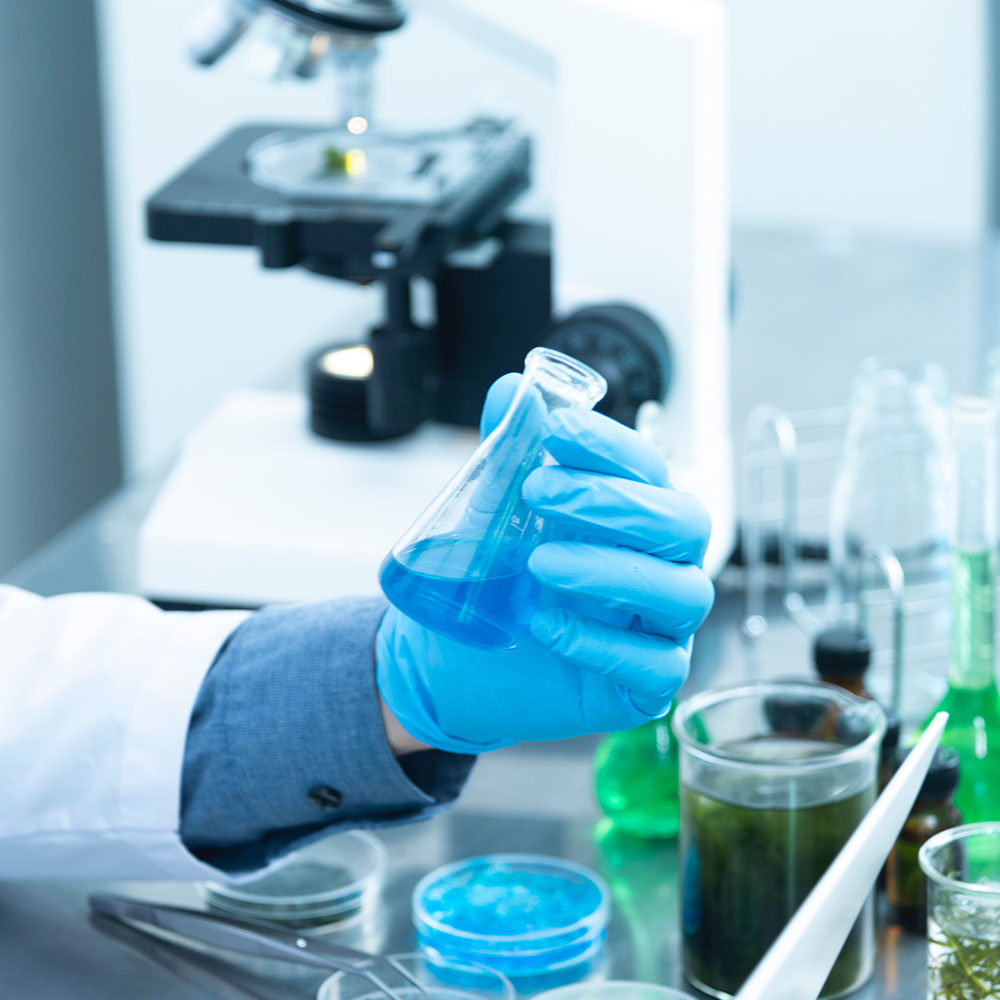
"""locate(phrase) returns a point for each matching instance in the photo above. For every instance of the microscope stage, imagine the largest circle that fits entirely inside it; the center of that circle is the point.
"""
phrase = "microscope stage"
(372, 168)
(351, 207)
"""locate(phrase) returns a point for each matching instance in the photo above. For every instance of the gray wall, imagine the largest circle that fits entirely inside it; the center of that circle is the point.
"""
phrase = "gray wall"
(59, 444)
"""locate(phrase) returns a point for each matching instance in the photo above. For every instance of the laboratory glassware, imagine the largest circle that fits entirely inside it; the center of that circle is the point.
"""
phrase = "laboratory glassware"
(972, 699)
(962, 866)
(636, 777)
(891, 487)
(775, 777)
(461, 567)
(933, 812)
(332, 883)
(799, 961)
(431, 981)
(541, 921)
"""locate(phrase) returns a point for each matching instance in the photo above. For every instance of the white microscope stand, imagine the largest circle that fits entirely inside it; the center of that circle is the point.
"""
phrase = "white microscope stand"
(257, 510)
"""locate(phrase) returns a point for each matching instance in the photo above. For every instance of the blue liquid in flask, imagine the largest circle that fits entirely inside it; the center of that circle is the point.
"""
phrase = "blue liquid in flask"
(449, 584)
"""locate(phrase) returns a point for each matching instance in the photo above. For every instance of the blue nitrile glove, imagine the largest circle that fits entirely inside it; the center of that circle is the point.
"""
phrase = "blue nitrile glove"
(612, 644)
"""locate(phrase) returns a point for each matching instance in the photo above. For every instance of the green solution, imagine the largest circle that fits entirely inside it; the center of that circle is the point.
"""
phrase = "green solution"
(972, 701)
(747, 869)
(637, 779)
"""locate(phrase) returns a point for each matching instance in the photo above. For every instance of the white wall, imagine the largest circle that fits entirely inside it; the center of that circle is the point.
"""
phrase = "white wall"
(856, 113)
(861, 112)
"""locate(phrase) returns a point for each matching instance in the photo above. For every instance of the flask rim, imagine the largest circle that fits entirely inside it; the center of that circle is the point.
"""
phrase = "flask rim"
(567, 371)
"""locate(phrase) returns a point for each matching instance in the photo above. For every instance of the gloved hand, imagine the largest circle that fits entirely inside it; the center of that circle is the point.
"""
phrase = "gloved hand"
(612, 645)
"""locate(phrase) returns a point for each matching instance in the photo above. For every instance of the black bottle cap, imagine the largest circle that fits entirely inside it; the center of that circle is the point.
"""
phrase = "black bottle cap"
(893, 730)
(794, 714)
(842, 649)
(942, 776)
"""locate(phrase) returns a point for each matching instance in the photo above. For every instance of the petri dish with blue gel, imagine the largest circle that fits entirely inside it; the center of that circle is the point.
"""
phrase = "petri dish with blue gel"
(540, 921)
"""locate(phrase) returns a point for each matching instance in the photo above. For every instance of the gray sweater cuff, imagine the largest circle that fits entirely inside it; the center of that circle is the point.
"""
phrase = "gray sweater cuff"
(286, 740)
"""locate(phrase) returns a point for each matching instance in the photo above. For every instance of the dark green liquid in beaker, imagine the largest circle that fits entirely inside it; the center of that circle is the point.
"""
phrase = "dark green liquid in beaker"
(745, 871)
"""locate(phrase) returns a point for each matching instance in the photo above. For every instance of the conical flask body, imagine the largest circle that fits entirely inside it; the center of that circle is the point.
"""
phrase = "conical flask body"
(462, 567)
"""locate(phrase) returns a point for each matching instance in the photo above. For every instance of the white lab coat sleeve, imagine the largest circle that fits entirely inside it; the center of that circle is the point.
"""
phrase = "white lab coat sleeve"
(96, 693)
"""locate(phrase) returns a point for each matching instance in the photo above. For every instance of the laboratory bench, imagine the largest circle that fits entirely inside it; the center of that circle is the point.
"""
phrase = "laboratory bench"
(809, 304)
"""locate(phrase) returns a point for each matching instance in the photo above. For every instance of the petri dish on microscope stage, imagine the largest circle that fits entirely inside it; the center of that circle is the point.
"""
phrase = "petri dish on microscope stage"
(337, 165)
(437, 981)
(540, 921)
(332, 884)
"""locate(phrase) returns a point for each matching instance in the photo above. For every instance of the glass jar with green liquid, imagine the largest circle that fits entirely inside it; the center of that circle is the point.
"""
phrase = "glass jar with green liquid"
(972, 700)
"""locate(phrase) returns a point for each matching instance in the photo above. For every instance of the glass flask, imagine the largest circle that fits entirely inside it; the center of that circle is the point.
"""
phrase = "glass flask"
(775, 777)
(461, 568)
(637, 781)
(892, 488)
(972, 700)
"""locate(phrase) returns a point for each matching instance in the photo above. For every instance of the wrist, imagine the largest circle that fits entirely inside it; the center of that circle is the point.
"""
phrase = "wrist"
(400, 741)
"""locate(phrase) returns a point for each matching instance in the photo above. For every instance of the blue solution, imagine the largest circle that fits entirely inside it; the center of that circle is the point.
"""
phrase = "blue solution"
(463, 589)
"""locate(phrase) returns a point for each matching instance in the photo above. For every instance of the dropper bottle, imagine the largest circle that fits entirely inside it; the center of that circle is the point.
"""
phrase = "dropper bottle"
(972, 700)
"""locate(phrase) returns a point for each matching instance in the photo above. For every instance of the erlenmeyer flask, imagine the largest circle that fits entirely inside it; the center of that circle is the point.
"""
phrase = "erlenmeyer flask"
(461, 568)
(637, 779)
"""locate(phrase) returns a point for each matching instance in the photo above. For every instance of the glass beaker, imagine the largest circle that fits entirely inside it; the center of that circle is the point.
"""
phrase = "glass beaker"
(892, 488)
(972, 700)
(775, 777)
(461, 568)
(962, 866)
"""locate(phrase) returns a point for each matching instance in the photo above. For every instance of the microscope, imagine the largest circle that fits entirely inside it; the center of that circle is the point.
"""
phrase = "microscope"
(629, 274)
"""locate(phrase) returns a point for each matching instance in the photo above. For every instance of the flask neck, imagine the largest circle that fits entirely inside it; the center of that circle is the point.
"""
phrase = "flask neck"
(556, 380)
(972, 640)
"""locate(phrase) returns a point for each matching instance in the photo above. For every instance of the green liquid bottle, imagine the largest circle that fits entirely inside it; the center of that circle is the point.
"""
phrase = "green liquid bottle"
(637, 779)
(972, 700)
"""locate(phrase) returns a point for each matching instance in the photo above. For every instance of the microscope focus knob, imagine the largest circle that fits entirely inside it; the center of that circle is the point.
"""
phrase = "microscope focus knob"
(627, 346)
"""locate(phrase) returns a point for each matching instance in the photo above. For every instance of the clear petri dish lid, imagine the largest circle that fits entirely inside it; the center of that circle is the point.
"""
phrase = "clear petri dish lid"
(514, 905)
(332, 881)
(416, 977)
